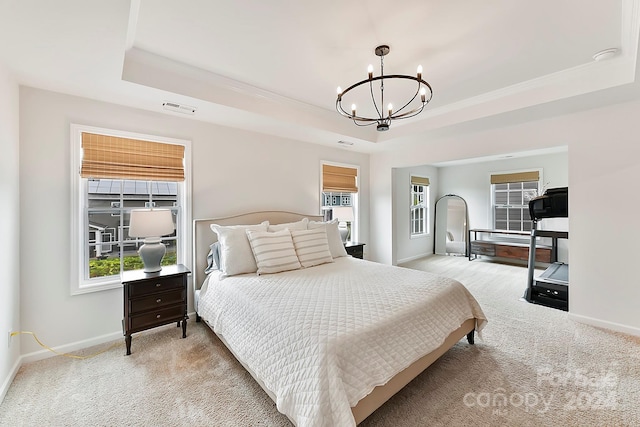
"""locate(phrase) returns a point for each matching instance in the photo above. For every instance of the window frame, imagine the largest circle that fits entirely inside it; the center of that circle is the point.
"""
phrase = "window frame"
(425, 207)
(79, 284)
(355, 199)
(523, 207)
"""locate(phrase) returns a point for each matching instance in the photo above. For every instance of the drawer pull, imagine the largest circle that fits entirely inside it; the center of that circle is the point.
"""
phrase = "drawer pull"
(158, 285)
(158, 316)
(159, 300)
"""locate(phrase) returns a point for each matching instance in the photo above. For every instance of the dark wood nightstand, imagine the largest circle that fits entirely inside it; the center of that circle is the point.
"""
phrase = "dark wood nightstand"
(355, 249)
(154, 299)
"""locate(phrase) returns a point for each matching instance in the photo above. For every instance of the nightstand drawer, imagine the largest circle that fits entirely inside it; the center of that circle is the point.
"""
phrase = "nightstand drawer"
(157, 317)
(157, 300)
(158, 285)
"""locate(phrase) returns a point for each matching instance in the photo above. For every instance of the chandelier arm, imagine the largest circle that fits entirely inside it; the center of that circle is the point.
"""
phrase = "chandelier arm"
(405, 105)
(373, 98)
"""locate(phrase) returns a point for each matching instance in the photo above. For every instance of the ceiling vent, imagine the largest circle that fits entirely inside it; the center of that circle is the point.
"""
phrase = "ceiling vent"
(179, 108)
(345, 142)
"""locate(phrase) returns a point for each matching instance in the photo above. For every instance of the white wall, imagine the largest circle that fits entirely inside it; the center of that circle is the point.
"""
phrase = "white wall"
(9, 229)
(233, 172)
(603, 156)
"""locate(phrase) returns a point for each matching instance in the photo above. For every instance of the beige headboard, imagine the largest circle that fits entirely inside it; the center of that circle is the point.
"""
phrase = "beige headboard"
(203, 237)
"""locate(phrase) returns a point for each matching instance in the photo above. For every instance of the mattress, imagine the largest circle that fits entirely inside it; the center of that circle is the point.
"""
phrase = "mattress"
(320, 339)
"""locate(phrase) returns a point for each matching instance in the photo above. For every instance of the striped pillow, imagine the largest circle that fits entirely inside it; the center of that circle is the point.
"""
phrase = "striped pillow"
(312, 246)
(274, 252)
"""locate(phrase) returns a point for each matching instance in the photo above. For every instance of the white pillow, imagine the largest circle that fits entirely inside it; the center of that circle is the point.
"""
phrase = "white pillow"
(236, 256)
(273, 252)
(333, 236)
(298, 225)
(312, 247)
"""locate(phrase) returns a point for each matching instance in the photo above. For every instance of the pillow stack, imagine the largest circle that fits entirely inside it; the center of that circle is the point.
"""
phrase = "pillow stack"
(265, 249)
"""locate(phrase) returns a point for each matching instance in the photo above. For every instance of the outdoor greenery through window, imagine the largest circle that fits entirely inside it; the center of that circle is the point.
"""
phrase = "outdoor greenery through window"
(511, 205)
(109, 202)
(112, 173)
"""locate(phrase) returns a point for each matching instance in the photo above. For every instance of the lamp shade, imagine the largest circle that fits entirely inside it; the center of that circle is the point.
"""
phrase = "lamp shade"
(343, 213)
(150, 223)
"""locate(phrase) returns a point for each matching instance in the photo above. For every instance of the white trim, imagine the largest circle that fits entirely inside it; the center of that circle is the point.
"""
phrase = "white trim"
(355, 231)
(618, 327)
(412, 258)
(427, 209)
(7, 382)
(78, 285)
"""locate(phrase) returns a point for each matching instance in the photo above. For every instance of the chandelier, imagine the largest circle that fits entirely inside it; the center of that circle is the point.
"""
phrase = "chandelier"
(381, 118)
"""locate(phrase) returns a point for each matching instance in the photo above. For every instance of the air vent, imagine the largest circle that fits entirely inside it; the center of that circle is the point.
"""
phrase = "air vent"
(179, 108)
(345, 142)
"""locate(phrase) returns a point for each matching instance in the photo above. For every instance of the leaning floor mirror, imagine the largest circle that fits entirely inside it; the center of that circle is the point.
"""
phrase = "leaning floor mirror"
(451, 226)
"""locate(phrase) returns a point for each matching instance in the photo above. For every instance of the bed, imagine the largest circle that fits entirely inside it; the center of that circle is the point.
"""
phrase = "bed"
(329, 342)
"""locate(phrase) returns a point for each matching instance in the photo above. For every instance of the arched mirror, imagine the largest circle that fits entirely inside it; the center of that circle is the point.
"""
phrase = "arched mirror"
(451, 226)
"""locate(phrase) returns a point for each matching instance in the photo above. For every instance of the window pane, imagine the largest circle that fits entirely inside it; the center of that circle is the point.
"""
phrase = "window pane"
(501, 198)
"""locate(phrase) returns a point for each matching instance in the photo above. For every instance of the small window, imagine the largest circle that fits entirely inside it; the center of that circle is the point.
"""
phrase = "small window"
(339, 197)
(419, 220)
(511, 194)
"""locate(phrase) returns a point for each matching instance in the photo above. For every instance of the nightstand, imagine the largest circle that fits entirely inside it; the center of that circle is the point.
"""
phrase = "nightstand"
(355, 249)
(154, 299)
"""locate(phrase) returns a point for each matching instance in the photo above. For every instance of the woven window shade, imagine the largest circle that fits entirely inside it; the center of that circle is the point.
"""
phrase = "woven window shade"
(339, 179)
(515, 177)
(123, 158)
(418, 180)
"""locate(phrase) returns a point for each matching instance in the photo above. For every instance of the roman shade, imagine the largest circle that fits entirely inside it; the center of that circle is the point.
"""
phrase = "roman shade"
(124, 158)
(504, 178)
(339, 179)
(418, 180)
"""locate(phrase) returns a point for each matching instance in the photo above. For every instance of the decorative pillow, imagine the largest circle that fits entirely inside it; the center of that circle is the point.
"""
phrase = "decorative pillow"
(235, 251)
(312, 246)
(298, 225)
(333, 236)
(213, 258)
(273, 252)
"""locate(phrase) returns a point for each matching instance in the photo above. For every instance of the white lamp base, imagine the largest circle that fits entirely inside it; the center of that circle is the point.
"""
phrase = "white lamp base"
(151, 253)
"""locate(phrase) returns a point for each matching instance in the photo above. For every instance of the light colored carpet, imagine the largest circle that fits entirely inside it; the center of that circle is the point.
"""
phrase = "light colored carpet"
(532, 367)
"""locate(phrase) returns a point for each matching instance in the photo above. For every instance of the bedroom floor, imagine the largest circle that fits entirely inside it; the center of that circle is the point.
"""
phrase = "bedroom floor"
(532, 366)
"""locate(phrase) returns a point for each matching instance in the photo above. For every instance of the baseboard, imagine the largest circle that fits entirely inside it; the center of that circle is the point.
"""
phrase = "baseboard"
(78, 345)
(617, 327)
(68, 348)
(7, 382)
(403, 260)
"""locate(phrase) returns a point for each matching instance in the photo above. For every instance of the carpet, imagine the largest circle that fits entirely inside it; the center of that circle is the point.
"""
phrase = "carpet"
(532, 366)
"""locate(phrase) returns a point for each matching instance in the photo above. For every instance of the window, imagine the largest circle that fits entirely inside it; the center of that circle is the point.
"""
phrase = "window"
(110, 184)
(339, 198)
(511, 194)
(419, 222)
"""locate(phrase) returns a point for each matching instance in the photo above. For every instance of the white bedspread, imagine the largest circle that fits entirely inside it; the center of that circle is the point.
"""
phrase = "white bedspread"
(322, 338)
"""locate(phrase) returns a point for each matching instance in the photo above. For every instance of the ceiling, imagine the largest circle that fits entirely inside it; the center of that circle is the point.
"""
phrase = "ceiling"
(273, 66)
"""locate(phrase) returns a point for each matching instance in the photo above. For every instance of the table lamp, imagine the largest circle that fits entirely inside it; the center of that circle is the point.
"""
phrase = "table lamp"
(151, 224)
(345, 218)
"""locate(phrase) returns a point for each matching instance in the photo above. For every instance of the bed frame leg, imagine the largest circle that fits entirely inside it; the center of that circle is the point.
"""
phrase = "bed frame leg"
(471, 337)
(198, 318)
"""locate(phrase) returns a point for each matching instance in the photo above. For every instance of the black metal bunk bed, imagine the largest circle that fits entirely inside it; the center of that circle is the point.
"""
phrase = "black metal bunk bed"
(551, 288)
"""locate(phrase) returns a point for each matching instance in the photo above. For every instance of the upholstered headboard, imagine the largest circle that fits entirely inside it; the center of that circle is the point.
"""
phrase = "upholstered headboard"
(203, 236)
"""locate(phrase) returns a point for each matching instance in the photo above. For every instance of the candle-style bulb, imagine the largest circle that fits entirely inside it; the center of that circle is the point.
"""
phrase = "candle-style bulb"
(419, 72)
(353, 109)
(390, 108)
(370, 71)
(423, 94)
(339, 90)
